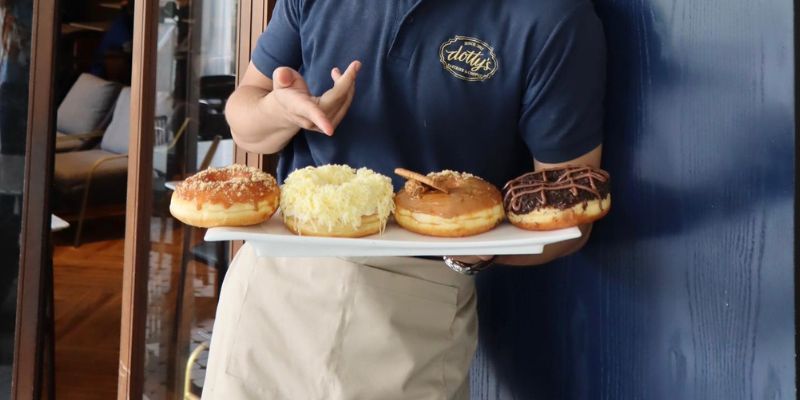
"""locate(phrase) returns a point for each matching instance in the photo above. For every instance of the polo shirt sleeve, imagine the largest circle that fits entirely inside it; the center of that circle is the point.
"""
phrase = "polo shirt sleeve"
(279, 45)
(562, 112)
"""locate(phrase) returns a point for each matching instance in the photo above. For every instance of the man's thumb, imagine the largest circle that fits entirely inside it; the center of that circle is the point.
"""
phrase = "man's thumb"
(283, 77)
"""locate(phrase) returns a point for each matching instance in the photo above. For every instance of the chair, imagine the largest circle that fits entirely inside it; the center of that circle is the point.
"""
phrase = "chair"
(84, 113)
(214, 93)
(76, 172)
(187, 379)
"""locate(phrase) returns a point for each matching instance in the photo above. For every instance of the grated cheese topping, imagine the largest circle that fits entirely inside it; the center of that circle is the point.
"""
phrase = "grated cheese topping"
(450, 174)
(332, 195)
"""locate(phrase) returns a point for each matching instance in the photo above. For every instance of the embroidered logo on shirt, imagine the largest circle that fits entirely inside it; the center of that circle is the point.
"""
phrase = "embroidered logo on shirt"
(468, 58)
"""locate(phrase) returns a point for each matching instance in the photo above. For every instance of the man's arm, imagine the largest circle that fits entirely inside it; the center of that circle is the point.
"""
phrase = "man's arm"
(555, 250)
(563, 114)
(561, 249)
(264, 114)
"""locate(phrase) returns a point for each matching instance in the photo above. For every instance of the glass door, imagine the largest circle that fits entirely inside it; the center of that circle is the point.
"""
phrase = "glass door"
(182, 96)
(194, 77)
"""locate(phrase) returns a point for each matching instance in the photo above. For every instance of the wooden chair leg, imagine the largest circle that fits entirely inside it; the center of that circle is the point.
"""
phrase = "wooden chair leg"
(187, 380)
(222, 264)
(49, 377)
(175, 361)
(86, 188)
(82, 214)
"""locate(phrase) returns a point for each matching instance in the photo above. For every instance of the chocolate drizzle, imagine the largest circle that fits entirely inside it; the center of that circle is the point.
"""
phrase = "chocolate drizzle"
(560, 188)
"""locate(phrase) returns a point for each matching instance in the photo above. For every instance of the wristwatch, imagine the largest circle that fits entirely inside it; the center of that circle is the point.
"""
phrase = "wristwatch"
(468, 269)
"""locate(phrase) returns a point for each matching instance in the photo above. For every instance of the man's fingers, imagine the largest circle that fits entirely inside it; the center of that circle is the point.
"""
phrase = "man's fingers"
(336, 73)
(344, 87)
(313, 113)
(301, 107)
(348, 78)
(342, 111)
(306, 124)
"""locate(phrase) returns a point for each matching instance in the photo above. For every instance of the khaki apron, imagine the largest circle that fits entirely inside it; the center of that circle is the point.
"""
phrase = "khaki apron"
(331, 328)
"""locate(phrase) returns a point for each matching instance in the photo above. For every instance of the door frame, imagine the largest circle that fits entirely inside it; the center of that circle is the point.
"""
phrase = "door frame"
(252, 20)
(254, 15)
(130, 384)
(796, 232)
(33, 372)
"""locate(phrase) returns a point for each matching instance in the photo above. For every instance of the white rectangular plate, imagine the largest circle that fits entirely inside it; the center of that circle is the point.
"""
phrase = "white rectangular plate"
(273, 239)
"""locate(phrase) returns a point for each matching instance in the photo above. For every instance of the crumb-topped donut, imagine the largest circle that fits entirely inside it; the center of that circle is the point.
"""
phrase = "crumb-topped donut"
(558, 198)
(235, 195)
(470, 205)
(336, 200)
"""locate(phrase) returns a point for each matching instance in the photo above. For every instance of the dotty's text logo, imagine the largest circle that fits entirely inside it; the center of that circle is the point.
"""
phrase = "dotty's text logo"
(468, 58)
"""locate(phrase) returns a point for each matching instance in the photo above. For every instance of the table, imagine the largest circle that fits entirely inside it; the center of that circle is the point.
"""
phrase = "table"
(12, 174)
(222, 157)
(111, 5)
(12, 183)
(57, 224)
(95, 26)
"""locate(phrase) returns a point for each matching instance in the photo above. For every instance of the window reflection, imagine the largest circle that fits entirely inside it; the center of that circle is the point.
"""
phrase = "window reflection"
(195, 75)
(15, 44)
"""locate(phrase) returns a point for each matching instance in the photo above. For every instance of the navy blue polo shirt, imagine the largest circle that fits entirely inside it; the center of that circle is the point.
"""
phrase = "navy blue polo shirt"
(481, 86)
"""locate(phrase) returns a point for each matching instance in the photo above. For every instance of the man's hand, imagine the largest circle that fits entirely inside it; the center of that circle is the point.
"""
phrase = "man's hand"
(322, 114)
(472, 259)
(550, 252)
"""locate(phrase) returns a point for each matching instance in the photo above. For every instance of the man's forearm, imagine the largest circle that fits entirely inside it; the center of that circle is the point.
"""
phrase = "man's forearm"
(255, 121)
(550, 253)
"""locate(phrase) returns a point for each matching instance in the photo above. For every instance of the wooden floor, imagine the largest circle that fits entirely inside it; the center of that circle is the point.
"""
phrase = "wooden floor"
(88, 285)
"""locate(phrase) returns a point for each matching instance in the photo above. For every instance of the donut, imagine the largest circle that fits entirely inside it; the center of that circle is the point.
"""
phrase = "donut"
(557, 198)
(336, 201)
(463, 204)
(235, 195)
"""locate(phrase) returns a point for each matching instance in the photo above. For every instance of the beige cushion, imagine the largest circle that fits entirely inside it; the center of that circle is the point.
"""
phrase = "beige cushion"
(87, 106)
(71, 170)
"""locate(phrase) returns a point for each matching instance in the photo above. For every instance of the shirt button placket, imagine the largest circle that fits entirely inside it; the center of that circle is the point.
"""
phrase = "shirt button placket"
(399, 49)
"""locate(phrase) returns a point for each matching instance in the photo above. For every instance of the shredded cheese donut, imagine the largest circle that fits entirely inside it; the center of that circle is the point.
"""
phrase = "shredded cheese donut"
(231, 196)
(336, 200)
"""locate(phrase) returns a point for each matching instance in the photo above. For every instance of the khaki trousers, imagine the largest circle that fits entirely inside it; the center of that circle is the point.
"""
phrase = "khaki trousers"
(330, 328)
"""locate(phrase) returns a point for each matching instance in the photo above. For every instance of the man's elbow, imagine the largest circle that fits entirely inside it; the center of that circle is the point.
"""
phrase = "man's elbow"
(266, 146)
(586, 232)
(574, 245)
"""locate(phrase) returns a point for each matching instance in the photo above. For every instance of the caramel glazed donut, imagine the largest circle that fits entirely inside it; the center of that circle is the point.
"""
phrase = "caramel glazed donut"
(236, 195)
(337, 201)
(557, 198)
(470, 207)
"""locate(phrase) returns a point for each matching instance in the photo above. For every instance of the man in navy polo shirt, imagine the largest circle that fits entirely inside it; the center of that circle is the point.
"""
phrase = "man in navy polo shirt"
(493, 88)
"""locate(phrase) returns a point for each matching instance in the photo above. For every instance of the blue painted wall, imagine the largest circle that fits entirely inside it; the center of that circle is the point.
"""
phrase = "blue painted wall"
(686, 289)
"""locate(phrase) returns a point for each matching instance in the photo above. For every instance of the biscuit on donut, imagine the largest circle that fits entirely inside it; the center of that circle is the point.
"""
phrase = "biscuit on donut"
(470, 206)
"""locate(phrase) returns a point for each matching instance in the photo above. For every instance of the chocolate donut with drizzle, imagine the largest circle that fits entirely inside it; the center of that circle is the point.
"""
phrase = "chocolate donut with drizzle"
(557, 198)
